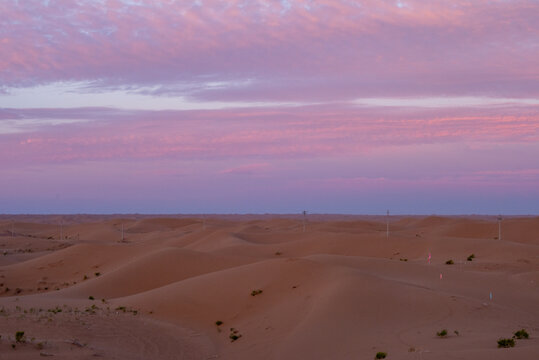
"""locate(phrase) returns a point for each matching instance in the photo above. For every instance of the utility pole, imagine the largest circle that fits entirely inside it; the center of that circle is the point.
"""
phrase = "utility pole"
(304, 219)
(12, 230)
(499, 227)
(387, 225)
(61, 230)
(122, 232)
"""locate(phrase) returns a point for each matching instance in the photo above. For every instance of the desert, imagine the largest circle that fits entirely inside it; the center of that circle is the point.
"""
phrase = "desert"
(265, 287)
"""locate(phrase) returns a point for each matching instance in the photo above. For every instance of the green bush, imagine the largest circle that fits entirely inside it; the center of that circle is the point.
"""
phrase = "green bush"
(19, 336)
(521, 334)
(380, 355)
(505, 343)
(256, 292)
(449, 262)
(218, 323)
(442, 333)
(234, 335)
(471, 257)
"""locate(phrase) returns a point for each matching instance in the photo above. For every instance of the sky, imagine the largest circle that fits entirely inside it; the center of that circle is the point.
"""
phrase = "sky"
(269, 106)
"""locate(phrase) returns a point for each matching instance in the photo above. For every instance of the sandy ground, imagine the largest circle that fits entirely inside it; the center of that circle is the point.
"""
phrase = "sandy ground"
(260, 287)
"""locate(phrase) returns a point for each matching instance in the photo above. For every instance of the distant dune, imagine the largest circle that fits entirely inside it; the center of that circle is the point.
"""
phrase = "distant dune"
(259, 287)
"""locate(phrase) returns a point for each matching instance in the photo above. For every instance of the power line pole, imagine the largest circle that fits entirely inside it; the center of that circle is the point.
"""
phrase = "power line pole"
(499, 227)
(304, 219)
(387, 225)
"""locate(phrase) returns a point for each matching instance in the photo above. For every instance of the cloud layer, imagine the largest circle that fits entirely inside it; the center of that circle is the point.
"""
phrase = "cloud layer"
(269, 106)
(271, 50)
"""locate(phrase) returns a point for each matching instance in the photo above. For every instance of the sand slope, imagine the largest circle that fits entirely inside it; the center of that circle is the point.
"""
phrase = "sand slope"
(339, 290)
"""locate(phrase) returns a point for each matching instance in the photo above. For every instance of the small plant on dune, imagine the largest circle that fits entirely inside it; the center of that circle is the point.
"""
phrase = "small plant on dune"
(85, 277)
(90, 297)
(234, 335)
(456, 332)
(403, 259)
(380, 355)
(97, 274)
(219, 323)
(256, 292)
(442, 333)
(56, 310)
(521, 334)
(19, 336)
(471, 257)
(449, 262)
(506, 343)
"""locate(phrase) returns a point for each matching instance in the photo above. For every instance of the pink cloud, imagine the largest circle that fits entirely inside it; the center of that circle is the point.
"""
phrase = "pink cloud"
(248, 169)
(301, 132)
(311, 50)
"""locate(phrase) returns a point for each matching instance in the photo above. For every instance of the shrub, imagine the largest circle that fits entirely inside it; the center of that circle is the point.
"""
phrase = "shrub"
(256, 292)
(442, 333)
(403, 259)
(97, 274)
(449, 262)
(471, 257)
(505, 343)
(234, 335)
(19, 336)
(218, 323)
(521, 334)
(278, 253)
(380, 355)
(90, 297)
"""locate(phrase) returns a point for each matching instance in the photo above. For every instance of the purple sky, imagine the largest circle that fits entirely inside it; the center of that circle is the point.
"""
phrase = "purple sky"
(333, 106)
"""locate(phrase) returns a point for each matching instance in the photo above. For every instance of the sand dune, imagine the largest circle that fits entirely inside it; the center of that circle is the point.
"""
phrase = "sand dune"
(339, 290)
